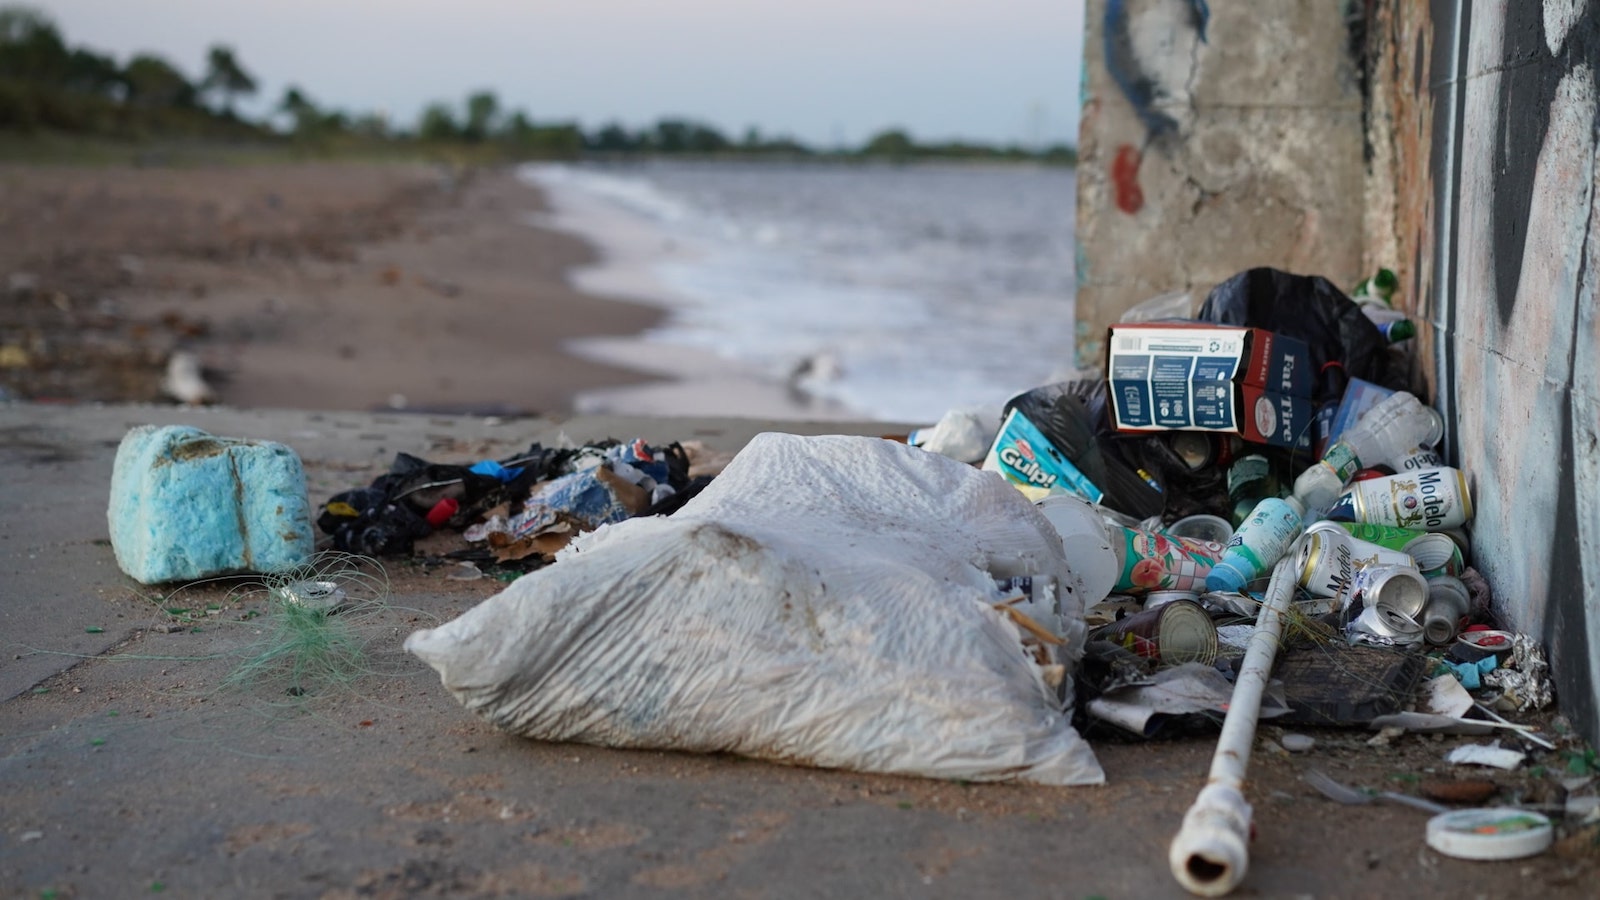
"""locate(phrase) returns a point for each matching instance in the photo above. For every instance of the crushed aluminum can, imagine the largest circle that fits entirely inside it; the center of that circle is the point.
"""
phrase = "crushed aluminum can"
(325, 596)
(1384, 626)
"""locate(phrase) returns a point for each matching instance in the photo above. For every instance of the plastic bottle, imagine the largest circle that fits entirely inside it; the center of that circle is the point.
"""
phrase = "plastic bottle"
(1398, 330)
(1250, 480)
(1387, 431)
(1379, 288)
(1335, 380)
(1259, 543)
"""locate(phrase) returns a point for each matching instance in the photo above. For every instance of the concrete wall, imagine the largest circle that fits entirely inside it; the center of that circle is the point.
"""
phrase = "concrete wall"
(1215, 137)
(1471, 169)
(1502, 232)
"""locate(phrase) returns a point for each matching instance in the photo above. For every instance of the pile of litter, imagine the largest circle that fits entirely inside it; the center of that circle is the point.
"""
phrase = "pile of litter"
(1246, 514)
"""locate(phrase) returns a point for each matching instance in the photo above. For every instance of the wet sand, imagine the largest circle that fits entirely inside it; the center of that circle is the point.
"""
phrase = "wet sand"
(313, 286)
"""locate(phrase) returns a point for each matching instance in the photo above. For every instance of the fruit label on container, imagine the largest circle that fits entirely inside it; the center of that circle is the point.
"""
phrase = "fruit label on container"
(1154, 561)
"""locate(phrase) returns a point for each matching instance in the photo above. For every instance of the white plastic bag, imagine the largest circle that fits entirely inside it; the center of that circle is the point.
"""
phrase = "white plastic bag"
(826, 601)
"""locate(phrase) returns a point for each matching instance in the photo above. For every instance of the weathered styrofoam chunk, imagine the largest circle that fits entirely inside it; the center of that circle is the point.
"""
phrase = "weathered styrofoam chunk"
(186, 504)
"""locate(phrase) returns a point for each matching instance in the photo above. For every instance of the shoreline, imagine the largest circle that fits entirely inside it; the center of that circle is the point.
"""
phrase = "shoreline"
(318, 286)
(347, 286)
(686, 380)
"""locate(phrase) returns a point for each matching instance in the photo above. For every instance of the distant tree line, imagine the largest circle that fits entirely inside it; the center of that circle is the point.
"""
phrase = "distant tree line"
(47, 86)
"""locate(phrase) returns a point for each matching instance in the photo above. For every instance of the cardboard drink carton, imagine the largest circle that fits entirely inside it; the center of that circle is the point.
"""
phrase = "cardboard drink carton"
(1202, 377)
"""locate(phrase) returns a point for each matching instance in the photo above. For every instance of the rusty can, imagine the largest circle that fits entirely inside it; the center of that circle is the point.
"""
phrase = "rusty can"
(1176, 632)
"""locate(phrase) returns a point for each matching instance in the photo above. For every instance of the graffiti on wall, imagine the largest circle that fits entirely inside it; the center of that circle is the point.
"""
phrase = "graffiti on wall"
(1517, 102)
(1149, 54)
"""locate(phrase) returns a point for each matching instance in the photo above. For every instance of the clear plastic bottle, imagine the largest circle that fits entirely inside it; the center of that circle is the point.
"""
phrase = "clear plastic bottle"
(1388, 431)
(1259, 543)
(1250, 480)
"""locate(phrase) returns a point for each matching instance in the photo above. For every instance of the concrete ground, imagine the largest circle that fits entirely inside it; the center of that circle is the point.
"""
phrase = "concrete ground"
(129, 769)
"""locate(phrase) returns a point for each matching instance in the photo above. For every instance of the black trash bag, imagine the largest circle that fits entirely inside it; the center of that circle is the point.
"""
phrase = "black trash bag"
(1188, 492)
(388, 529)
(1311, 308)
(1071, 415)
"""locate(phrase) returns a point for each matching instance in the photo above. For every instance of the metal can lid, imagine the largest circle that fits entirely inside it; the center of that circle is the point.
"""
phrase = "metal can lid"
(1497, 833)
(1161, 598)
(1186, 634)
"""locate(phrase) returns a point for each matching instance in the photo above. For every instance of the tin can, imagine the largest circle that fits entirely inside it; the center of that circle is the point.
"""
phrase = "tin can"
(1385, 623)
(1330, 558)
(321, 596)
(1436, 554)
(1382, 535)
(1162, 598)
(1418, 458)
(1401, 589)
(1428, 500)
(1174, 633)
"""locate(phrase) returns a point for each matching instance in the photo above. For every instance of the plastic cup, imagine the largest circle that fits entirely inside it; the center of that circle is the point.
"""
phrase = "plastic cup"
(1083, 539)
(1202, 528)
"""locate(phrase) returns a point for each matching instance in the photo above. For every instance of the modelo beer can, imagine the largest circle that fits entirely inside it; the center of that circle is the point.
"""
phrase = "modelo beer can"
(1427, 500)
(1330, 558)
(1418, 458)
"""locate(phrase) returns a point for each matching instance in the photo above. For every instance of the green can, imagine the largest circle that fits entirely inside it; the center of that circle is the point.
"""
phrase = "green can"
(1383, 535)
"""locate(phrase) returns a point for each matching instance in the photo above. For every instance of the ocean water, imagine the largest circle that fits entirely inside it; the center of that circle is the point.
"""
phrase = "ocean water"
(893, 293)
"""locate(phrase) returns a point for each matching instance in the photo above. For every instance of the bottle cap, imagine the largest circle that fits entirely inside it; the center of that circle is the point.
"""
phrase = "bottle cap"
(1224, 577)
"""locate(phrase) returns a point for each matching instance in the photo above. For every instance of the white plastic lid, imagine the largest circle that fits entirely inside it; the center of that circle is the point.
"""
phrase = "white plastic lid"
(1496, 833)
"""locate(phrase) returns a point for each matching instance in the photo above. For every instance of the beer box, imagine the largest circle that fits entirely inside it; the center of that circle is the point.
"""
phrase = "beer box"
(1202, 377)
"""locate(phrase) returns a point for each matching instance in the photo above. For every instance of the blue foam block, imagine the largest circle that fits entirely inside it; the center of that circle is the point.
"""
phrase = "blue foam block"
(187, 505)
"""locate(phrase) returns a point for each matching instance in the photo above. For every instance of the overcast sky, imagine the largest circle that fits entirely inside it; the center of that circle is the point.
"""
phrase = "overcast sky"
(824, 71)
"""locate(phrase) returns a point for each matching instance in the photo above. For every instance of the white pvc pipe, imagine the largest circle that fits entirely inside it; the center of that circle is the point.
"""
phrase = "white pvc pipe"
(1211, 853)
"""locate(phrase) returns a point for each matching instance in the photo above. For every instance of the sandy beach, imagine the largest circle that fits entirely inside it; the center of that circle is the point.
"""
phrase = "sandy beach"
(314, 286)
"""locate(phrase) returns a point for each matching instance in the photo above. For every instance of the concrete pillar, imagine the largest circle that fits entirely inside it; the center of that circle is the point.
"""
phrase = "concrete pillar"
(1214, 138)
